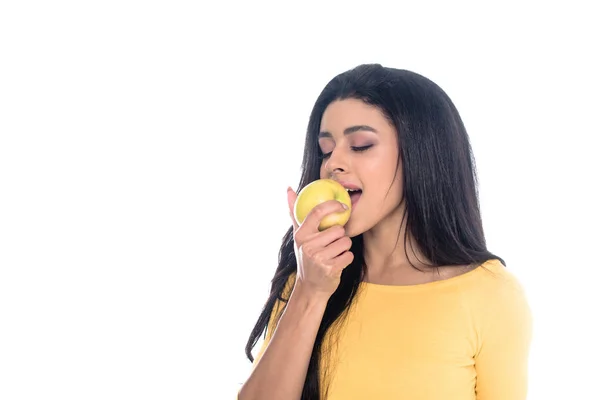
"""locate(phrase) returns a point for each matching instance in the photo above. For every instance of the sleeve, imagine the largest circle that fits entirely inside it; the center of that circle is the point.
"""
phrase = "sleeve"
(501, 362)
(275, 315)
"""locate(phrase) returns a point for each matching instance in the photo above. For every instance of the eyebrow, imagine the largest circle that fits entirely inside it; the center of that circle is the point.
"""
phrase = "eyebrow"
(349, 131)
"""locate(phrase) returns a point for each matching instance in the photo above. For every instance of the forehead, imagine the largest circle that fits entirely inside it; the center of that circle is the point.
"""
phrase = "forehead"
(351, 112)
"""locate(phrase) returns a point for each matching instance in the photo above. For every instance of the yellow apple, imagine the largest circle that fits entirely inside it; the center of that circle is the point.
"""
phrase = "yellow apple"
(318, 192)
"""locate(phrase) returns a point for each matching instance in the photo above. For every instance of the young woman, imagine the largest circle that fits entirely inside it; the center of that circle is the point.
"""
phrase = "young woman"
(405, 301)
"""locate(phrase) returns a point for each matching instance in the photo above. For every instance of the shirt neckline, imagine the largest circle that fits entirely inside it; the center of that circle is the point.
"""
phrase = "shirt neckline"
(430, 285)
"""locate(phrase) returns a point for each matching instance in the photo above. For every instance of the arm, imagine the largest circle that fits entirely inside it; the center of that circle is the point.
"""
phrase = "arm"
(280, 368)
(321, 256)
(502, 360)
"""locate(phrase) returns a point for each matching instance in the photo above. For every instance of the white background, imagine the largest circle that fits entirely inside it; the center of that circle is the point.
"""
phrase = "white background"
(146, 148)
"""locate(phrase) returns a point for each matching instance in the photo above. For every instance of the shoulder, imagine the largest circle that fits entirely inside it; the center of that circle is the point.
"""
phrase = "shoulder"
(285, 294)
(280, 303)
(503, 333)
(289, 286)
(494, 279)
(496, 296)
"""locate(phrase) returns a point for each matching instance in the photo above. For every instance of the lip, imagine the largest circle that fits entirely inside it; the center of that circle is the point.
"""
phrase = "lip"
(349, 185)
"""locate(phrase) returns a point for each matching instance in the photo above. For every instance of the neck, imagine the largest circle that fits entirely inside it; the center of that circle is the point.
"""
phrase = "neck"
(384, 248)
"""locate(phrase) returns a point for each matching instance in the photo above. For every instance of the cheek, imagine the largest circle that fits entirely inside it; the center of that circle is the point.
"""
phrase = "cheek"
(381, 176)
(323, 171)
(381, 166)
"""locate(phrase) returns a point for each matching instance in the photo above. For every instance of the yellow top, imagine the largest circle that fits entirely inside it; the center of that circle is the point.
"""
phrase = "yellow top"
(463, 338)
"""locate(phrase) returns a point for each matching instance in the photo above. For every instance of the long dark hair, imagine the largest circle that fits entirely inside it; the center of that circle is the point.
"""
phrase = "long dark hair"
(439, 180)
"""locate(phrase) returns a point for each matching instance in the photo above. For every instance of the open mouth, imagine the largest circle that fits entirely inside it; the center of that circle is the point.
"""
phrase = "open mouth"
(354, 195)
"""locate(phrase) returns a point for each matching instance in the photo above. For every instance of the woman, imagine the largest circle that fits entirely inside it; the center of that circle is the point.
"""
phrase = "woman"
(405, 301)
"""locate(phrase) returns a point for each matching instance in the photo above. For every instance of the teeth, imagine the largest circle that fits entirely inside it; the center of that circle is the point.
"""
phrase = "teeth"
(352, 190)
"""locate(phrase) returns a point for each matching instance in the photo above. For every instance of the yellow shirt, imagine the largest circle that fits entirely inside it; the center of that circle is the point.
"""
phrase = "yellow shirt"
(463, 338)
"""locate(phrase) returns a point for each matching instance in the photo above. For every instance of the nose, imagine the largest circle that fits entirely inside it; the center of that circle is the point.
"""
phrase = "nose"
(337, 162)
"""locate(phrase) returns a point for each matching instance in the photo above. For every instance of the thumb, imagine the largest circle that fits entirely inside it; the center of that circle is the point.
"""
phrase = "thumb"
(291, 195)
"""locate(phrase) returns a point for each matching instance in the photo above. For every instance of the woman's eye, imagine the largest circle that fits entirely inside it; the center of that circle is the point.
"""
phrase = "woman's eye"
(354, 148)
(362, 148)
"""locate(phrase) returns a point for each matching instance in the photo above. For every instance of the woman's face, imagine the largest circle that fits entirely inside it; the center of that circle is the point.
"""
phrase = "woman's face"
(361, 150)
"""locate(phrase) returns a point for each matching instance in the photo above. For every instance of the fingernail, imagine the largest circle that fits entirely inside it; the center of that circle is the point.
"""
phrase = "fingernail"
(345, 206)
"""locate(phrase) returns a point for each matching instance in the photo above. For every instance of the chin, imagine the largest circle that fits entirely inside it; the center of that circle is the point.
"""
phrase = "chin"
(351, 234)
(358, 226)
(352, 230)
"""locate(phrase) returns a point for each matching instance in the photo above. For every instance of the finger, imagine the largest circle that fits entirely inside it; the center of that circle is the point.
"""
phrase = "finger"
(342, 261)
(314, 217)
(336, 248)
(291, 201)
(322, 239)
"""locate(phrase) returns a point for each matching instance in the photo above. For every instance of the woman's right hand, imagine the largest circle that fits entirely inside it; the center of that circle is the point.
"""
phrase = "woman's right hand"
(321, 256)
